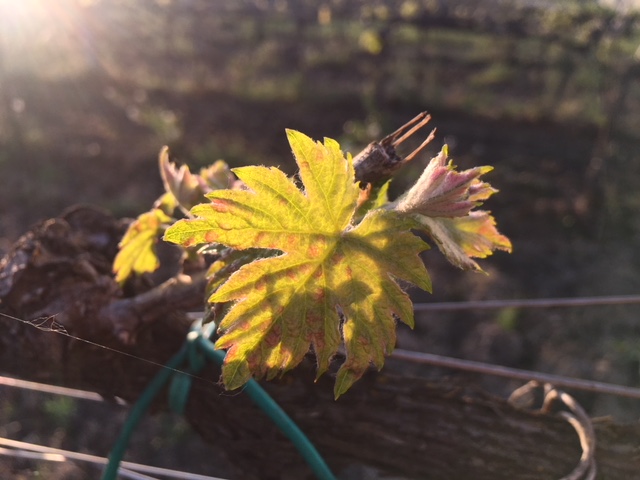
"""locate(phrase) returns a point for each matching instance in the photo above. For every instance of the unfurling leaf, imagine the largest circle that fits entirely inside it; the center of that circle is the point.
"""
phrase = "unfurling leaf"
(137, 247)
(180, 182)
(188, 188)
(332, 282)
(441, 191)
(442, 201)
(461, 238)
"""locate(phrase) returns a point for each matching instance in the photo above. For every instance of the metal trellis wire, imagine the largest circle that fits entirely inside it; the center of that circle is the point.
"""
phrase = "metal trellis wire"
(128, 469)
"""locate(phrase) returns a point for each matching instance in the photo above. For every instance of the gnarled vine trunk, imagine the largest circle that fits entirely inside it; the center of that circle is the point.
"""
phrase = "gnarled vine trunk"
(58, 276)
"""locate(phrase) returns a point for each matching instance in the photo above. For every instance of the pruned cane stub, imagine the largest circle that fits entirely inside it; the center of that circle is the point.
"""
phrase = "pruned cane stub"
(379, 160)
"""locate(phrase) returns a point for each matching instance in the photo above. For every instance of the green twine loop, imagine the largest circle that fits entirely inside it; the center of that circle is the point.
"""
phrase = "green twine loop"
(180, 382)
(139, 408)
(196, 350)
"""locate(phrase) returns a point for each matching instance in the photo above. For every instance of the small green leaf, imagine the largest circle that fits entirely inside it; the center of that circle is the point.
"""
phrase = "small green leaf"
(167, 203)
(333, 281)
(137, 247)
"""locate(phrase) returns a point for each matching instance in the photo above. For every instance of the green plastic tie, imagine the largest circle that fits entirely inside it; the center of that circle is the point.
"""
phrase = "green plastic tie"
(286, 425)
(180, 385)
(139, 408)
(196, 349)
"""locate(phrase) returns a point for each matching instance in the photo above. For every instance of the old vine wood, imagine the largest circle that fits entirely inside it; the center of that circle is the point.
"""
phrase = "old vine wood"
(401, 425)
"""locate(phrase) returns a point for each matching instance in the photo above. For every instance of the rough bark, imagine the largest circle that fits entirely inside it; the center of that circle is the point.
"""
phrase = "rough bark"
(398, 424)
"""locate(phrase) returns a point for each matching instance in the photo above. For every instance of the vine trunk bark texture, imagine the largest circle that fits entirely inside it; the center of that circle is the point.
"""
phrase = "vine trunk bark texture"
(58, 279)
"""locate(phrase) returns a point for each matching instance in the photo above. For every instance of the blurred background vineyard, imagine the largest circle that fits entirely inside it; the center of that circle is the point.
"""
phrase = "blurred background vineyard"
(546, 91)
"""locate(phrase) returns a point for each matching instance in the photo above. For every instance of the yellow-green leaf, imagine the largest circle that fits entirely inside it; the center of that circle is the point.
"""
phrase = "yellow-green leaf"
(137, 247)
(461, 238)
(334, 281)
(167, 203)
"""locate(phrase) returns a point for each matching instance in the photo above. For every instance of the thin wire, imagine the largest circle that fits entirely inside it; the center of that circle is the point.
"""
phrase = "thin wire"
(49, 324)
(56, 454)
(53, 457)
(48, 457)
(529, 303)
(55, 390)
(515, 373)
(137, 411)
(399, 354)
(477, 367)
(418, 307)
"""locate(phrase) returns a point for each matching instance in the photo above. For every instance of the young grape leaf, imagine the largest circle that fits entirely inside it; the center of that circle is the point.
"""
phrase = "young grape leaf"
(189, 188)
(333, 282)
(137, 247)
(182, 190)
(441, 191)
(442, 201)
(167, 203)
(186, 187)
(459, 239)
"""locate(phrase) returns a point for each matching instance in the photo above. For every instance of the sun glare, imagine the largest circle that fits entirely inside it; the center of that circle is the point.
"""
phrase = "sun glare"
(23, 17)
(42, 34)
